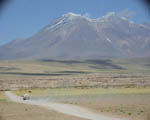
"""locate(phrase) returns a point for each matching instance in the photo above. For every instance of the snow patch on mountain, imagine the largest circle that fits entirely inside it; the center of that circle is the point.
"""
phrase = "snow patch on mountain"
(129, 21)
(123, 18)
(71, 16)
(106, 17)
(58, 23)
(109, 15)
(144, 26)
(108, 39)
(68, 18)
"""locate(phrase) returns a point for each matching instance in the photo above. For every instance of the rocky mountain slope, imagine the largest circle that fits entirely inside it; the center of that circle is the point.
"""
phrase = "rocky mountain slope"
(74, 36)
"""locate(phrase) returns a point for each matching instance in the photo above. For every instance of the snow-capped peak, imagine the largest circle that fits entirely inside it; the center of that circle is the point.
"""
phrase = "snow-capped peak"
(112, 16)
(65, 19)
(68, 18)
(71, 18)
(70, 14)
(109, 15)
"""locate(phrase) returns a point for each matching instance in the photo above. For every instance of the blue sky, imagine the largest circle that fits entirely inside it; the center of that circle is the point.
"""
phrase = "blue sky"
(23, 18)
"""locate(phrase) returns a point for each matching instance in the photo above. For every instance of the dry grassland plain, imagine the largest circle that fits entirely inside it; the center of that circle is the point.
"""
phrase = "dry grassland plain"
(119, 88)
(90, 73)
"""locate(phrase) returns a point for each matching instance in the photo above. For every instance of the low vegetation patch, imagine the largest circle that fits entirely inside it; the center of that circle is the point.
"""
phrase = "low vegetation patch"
(83, 91)
(2, 96)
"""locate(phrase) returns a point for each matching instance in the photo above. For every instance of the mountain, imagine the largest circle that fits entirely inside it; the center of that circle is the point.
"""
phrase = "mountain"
(74, 36)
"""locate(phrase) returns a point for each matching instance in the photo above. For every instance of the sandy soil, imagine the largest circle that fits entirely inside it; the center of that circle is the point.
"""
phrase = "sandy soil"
(17, 111)
(133, 107)
(63, 108)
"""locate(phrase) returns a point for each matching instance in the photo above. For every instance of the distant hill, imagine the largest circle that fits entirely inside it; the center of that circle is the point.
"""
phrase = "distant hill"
(74, 36)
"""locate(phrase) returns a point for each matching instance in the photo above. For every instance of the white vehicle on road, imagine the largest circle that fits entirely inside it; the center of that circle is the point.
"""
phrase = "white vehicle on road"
(26, 97)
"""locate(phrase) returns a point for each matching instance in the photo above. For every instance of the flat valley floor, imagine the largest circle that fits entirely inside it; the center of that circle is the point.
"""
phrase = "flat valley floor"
(119, 88)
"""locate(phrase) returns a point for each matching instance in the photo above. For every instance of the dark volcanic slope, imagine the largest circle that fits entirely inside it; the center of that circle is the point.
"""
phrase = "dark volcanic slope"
(74, 36)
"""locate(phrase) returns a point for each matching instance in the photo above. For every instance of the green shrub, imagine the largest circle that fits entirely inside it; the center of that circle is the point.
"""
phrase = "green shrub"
(129, 114)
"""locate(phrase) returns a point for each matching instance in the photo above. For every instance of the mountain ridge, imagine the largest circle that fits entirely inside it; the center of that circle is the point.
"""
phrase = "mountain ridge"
(74, 36)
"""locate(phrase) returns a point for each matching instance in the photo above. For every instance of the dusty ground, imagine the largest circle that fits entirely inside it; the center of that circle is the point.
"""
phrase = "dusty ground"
(133, 107)
(15, 111)
(67, 109)
(131, 103)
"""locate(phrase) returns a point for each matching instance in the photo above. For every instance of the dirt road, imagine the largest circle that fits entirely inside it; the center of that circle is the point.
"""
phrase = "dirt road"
(62, 108)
